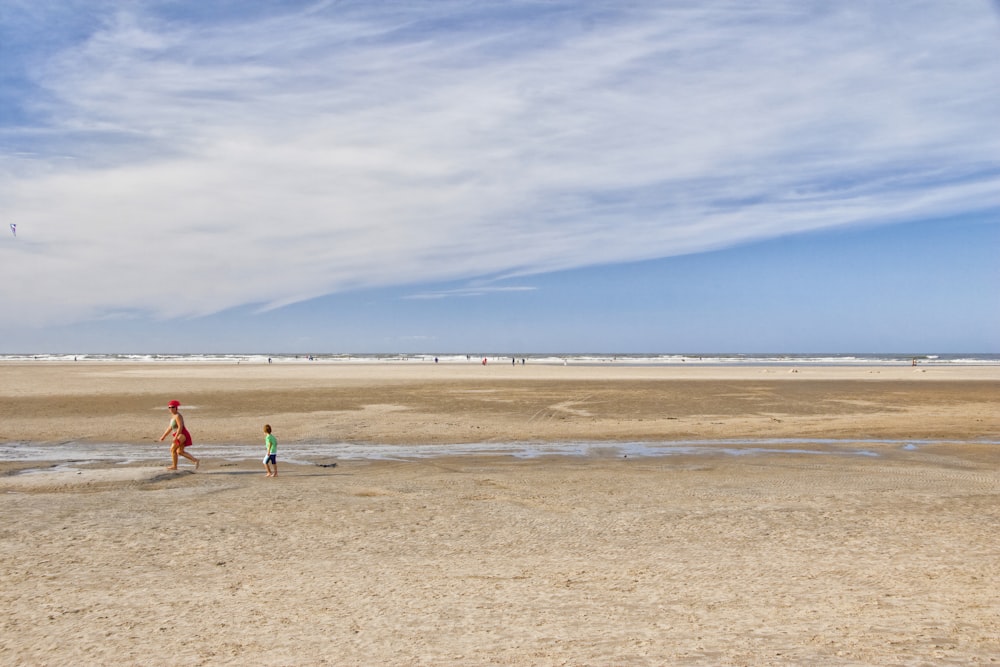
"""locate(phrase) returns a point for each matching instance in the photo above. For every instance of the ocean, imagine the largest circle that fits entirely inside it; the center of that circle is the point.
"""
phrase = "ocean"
(592, 359)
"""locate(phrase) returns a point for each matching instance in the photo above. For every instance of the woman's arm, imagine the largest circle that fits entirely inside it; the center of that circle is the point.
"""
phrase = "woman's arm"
(178, 421)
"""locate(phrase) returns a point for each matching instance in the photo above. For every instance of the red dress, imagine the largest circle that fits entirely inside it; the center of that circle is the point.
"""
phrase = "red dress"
(186, 434)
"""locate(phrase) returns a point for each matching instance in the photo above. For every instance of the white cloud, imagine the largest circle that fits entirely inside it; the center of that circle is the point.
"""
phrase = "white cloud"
(481, 290)
(180, 167)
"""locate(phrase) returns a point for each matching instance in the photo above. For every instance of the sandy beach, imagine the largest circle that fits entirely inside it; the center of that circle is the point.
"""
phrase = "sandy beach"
(875, 548)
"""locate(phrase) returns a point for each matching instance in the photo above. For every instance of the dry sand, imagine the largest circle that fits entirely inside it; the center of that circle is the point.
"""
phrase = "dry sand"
(762, 559)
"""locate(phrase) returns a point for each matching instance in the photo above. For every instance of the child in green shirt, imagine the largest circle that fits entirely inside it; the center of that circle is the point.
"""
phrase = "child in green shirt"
(271, 446)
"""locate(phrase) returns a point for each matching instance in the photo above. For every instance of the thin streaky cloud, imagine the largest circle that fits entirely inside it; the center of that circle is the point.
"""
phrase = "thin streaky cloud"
(470, 292)
(278, 156)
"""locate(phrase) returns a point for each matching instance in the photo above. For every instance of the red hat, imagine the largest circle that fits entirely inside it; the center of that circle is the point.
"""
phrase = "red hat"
(174, 404)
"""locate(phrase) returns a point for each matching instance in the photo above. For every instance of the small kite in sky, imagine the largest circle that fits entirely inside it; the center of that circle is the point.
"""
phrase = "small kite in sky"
(13, 229)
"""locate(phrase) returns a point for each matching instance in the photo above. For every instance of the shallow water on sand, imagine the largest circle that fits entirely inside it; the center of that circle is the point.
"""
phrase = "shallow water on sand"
(87, 453)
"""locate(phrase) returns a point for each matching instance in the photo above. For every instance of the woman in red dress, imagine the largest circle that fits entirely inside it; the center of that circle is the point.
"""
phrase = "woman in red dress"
(182, 438)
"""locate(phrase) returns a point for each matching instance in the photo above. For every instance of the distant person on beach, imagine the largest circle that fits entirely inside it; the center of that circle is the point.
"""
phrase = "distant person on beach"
(270, 451)
(181, 436)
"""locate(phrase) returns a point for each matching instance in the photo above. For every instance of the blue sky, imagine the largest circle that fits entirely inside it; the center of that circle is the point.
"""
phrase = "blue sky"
(499, 177)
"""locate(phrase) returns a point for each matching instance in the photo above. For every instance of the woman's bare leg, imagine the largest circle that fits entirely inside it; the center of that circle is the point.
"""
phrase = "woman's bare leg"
(180, 450)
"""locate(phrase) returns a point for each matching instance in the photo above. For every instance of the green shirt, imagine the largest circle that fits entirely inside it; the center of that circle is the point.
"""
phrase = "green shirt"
(271, 443)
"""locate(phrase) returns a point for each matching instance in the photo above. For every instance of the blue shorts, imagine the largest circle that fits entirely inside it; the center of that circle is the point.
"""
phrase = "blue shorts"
(271, 458)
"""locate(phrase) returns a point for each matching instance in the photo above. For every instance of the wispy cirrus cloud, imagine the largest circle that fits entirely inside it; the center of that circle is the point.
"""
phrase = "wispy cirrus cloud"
(482, 290)
(178, 164)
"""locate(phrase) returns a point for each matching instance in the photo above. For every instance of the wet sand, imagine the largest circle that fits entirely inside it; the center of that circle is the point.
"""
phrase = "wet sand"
(762, 559)
(426, 403)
